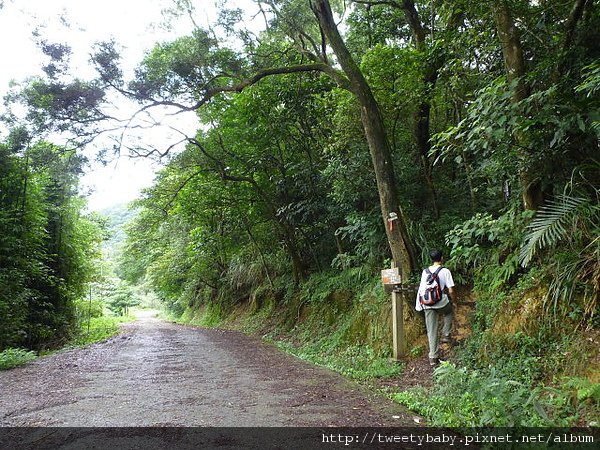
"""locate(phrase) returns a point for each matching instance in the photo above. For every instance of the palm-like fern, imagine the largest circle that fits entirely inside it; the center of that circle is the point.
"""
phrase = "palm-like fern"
(550, 225)
(575, 220)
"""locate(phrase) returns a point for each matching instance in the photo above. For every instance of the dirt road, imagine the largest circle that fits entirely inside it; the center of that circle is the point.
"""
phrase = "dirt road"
(162, 374)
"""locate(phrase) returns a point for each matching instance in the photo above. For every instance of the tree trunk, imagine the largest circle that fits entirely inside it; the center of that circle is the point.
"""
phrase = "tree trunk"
(422, 137)
(288, 235)
(289, 238)
(25, 181)
(512, 51)
(397, 234)
(421, 129)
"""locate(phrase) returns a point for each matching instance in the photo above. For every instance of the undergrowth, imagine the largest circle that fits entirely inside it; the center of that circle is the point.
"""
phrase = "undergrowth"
(100, 328)
(334, 320)
(341, 327)
(518, 368)
(13, 357)
(463, 397)
(210, 316)
(357, 362)
(89, 331)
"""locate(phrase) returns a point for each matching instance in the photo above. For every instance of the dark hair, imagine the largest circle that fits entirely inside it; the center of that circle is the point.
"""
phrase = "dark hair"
(436, 255)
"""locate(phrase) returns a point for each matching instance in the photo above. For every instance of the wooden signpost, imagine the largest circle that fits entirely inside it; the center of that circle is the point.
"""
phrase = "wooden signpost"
(392, 282)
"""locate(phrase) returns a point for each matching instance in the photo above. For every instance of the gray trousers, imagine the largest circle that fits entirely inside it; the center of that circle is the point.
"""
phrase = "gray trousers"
(431, 323)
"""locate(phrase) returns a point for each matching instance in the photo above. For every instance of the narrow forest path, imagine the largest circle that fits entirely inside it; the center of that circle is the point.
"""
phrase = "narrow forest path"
(162, 374)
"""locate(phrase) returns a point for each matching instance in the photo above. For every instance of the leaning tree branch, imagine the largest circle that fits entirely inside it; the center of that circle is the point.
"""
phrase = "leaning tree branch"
(137, 153)
(298, 68)
(210, 93)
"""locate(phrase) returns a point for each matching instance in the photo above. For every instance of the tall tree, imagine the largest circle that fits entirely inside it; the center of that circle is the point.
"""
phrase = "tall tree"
(399, 240)
(516, 73)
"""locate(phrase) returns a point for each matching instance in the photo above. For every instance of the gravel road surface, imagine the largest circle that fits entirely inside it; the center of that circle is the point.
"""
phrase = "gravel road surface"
(159, 374)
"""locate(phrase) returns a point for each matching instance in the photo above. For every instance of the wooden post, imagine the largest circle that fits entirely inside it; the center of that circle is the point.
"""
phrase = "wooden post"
(399, 344)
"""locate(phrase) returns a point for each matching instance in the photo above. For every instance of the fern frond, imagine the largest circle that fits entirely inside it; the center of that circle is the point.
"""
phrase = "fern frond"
(549, 225)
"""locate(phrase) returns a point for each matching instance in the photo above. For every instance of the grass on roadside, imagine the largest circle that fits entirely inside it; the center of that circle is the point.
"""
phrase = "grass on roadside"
(13, 357)
(356, 362)
(99, 328)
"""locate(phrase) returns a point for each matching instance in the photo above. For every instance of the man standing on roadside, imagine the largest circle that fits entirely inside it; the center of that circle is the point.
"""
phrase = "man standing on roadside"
(434, 277)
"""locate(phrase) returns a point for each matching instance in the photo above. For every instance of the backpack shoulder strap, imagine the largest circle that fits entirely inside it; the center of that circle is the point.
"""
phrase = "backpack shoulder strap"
(435, 274)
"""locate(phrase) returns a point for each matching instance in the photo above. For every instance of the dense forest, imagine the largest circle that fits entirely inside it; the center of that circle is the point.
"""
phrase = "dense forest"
(48, 247)
(342, 137)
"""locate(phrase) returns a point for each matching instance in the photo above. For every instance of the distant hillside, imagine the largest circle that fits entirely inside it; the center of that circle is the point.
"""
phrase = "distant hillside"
(118, 216)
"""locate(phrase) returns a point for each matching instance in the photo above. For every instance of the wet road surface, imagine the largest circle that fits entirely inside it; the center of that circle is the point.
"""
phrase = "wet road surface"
(162, 374)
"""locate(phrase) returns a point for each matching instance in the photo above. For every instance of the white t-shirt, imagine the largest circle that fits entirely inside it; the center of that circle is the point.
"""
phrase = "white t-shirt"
(445, 280)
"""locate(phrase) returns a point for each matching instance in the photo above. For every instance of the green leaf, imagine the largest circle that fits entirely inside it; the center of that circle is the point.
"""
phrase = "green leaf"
(549, 225)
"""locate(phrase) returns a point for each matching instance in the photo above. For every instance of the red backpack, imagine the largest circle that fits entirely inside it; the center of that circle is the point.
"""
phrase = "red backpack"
(433, 290)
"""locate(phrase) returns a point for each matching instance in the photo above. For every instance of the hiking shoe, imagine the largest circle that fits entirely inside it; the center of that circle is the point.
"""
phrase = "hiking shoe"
(434, 362)
(446, 340)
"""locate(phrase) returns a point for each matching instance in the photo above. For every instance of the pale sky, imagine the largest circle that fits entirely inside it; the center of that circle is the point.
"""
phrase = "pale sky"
(134, 24)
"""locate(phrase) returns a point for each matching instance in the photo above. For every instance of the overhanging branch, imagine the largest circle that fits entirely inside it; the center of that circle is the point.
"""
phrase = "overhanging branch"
(313, 67)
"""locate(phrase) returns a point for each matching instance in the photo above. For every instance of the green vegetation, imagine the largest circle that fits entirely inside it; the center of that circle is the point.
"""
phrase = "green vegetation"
(276, 225)
(92, 326)
(473, 399)
(322, 154)
(534, 342)
(98, 329)
(51, 256)
(93, 322)
(48, 248)
(356, 362)
(482, 398)
(13, 357)
(337, 321)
